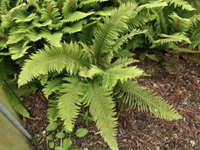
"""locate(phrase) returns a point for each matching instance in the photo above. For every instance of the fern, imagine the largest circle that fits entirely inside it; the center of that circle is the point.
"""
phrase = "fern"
(101, 108)
(92, 72)
(135, 95)
(69, 102)
(68, 57)
(50, 12)
(105, 35)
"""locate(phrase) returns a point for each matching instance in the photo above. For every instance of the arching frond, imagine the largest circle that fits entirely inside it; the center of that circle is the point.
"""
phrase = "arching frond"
(146, 101)
(69, 56)
(107, 33)
(101, 106)
(69, 103)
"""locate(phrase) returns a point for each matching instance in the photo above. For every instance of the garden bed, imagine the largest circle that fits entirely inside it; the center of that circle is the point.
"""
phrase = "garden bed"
(138, 130)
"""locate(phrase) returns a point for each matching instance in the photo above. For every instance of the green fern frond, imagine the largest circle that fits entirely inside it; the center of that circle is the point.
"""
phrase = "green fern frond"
(4, 7)
(34, 35)
(107, 33)
(87, 2)
(14, 102)
(50, 11)
(141, 19)
(75, 16)
(53, 111)
(195, 40)
(122, 62)
(19, 49)
(76, 27)
(118, 73)
(69, 57)
(161, 24)
(174, 38)
(146, 101)
(181, 3)
(154, 4)
(178, 23)
(69, 103)
(125, 38)
(53, 38)
(52, 86)
(101, 106)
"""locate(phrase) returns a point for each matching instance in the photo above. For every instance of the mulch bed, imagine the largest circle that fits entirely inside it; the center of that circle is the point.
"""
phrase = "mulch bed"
(138, 130)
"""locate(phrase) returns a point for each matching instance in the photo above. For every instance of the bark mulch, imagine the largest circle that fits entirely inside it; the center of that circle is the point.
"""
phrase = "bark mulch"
(177, 82)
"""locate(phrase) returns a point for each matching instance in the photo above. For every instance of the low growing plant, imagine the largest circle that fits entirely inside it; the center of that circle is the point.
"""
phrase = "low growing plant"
(62, 136)
(95, 74)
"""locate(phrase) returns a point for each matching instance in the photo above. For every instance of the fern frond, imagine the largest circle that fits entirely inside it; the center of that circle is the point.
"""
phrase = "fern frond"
(101, 106)
(195, 40)
(69, 103)
(122, 62)
(50, 11)
(118, 73)
(143, 98)
(125, 38)
(181, 3)
(33, 35)
(174, 38)
(87, 2)
(4, 7)
(178, 23)
(14, 102)
(107, 33)
(75, 16)
(141, 19)
(19, 49)
(52, 86)
(69, 57)
(53, 111)
(76, 27)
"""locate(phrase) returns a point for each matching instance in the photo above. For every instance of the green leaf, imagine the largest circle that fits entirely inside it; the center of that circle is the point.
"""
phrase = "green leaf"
(59, 148)
(52, 126)
(51, 144)
(60, 135)
(67, 143)
(50, 137)
(81, 132)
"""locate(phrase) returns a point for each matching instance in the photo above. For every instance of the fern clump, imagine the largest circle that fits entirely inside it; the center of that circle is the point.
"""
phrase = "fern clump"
(94, 72)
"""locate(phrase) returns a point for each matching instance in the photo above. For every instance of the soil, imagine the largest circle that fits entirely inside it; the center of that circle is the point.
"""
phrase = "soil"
(177, 81)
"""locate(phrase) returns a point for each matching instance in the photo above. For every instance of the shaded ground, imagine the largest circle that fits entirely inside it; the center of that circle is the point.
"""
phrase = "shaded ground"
(180, 86)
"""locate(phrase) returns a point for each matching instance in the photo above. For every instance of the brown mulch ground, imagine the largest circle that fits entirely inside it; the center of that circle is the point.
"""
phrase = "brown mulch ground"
(180, 86)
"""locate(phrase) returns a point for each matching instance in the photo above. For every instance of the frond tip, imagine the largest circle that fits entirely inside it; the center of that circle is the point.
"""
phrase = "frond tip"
(143, 98)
